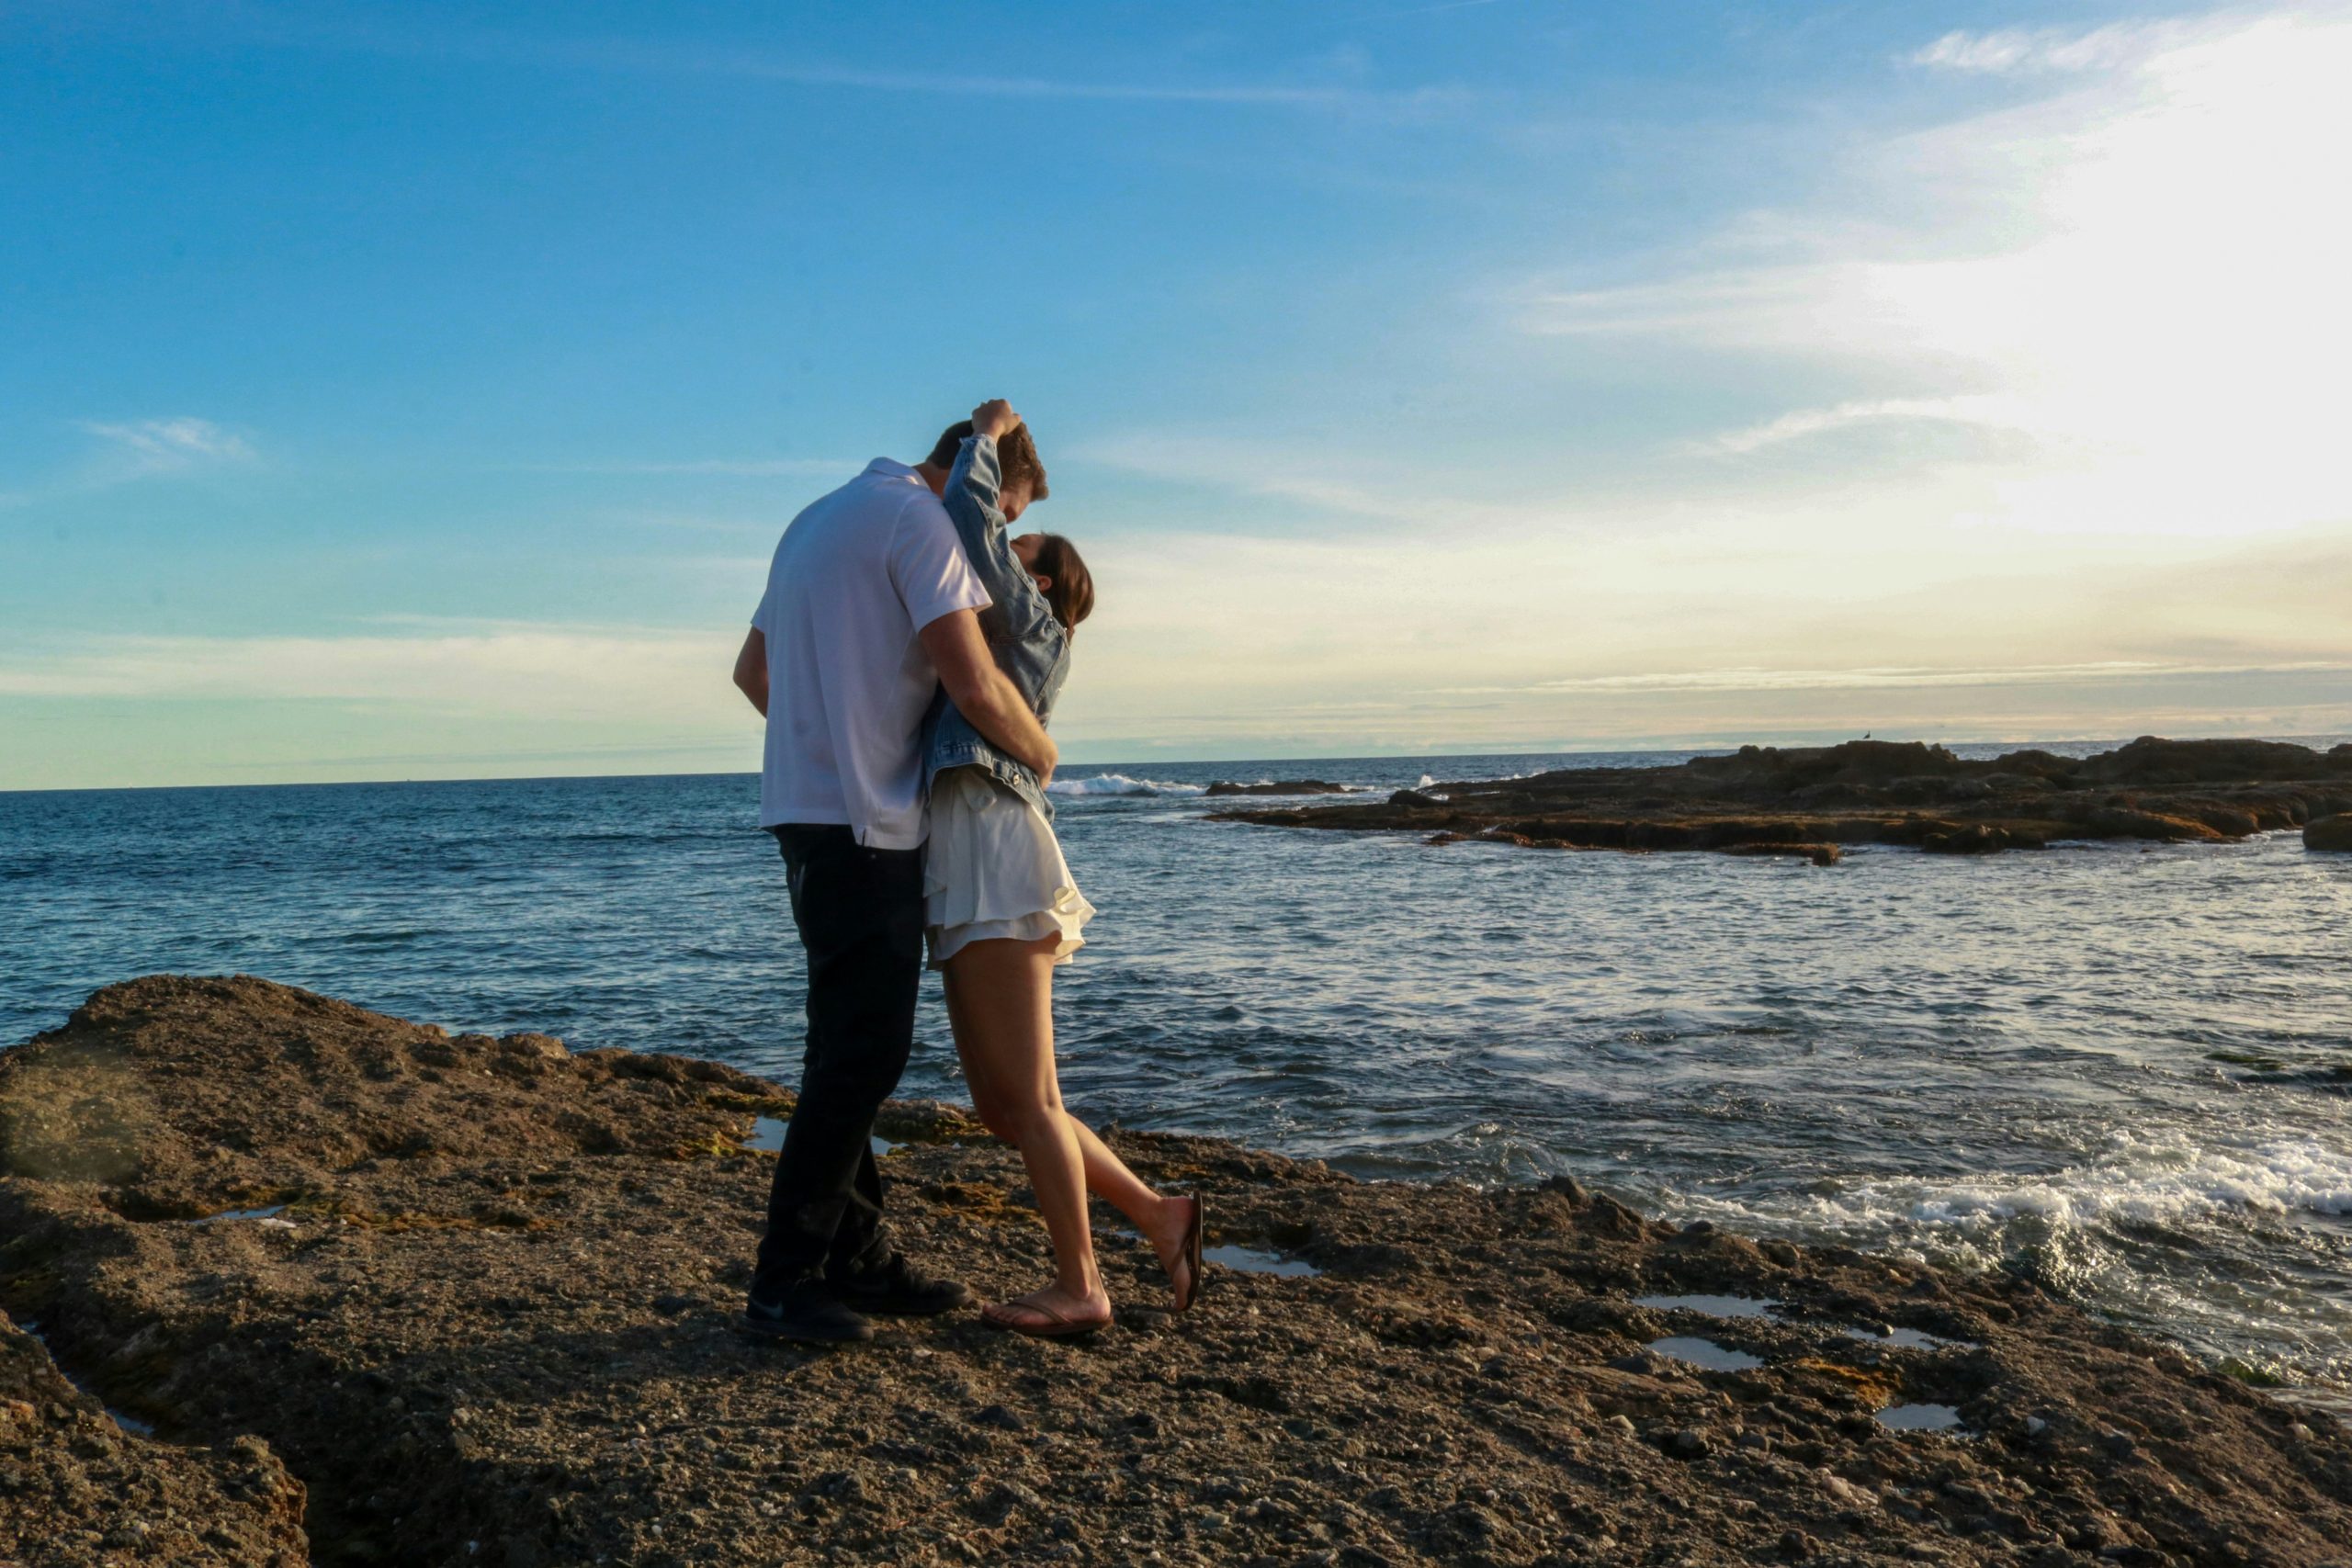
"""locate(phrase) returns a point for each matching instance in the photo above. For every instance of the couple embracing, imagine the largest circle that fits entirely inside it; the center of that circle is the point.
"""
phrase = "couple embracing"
(906, 655)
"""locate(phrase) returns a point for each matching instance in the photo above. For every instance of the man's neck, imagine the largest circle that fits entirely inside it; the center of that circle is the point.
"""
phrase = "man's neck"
(933, 475)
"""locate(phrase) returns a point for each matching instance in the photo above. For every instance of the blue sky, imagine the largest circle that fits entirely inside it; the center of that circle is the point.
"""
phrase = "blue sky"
(415, 390)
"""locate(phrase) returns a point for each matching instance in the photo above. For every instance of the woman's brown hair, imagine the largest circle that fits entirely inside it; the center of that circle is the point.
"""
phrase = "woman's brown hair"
(1071, 597)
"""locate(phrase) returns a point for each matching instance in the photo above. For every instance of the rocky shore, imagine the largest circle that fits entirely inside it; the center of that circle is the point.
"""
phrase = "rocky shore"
(465, 1300)
(1808, 802)
(1279, 786)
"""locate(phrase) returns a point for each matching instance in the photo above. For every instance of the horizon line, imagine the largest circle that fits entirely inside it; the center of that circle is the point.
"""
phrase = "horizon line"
(1653, 748)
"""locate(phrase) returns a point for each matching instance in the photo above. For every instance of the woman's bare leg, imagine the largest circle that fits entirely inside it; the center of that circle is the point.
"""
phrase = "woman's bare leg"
(1161, 1221)
(1000, 996)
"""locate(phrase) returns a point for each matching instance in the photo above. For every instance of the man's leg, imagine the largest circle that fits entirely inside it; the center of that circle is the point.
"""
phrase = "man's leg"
(860, 916)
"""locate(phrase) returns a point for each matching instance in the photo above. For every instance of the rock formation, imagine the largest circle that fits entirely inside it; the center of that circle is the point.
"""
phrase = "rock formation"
(1285, 787)
(477, 1295)
(1806, 802)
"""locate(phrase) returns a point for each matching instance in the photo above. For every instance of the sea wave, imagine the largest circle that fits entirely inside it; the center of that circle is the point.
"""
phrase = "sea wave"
(2167, 1182)
(1120, 784)
(2152, 1181)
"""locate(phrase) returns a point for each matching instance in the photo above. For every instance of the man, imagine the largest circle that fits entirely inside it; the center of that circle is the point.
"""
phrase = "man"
(870, 608)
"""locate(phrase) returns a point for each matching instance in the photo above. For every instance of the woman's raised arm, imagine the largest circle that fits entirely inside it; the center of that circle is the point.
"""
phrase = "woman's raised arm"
(971, 497)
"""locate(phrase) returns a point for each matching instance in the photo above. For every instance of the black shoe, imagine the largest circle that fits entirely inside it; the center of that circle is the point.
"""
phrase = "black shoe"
(896, 1289)
(810, 1312)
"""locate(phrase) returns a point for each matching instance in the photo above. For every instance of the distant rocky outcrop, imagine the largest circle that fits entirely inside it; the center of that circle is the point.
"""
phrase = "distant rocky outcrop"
(1808, 801)
(477, 1295)
(1285, 787)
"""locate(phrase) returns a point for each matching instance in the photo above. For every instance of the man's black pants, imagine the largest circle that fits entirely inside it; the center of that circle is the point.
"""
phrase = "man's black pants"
(859, 911)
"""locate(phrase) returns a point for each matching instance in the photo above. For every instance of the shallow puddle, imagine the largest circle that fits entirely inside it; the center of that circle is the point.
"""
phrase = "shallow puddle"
(268, 1216)
(1714, 1306)
(1706, 1353)
(131, 1423)
(1251, 1260)
(1911, 1340)
(767, 1137)
(1919, 1418)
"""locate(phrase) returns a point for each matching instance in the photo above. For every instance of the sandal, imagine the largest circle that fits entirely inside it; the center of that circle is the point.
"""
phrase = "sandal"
(1056, 1325)
(1191, 1257)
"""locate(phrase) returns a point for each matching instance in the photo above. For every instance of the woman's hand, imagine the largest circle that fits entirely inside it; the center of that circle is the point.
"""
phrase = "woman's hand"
(995, 420)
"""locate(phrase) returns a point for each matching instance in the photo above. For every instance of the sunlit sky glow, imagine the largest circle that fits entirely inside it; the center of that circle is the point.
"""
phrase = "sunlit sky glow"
(417, 391)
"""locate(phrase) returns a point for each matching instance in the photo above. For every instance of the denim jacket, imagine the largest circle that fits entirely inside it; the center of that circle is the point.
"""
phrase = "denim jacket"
(1030, 646)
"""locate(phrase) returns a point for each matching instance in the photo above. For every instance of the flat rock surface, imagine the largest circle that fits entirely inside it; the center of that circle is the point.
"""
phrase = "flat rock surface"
(1806, 802)
(489, 1321)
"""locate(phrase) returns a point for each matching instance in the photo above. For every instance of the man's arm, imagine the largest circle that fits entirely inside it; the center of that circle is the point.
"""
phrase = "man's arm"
(752, 669)
(983, 695)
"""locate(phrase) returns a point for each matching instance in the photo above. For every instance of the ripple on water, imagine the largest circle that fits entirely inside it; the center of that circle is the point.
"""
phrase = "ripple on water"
(2006, 1059)
(1920, 1418)
(1714, 1306)
(767, 1137)
(1706, 1353)
(1255, 1261)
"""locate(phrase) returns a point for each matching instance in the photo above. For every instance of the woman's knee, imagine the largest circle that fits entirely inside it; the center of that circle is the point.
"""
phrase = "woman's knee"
(997, 1119)
(1033, 1117)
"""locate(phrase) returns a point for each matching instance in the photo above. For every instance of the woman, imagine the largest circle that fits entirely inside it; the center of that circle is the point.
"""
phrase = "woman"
(1000, 910)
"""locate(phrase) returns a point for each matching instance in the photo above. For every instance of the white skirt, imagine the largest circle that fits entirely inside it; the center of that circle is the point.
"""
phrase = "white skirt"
(993, 868)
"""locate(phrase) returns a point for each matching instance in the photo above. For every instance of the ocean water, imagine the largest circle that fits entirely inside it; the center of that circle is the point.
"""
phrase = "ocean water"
(2125, 1068)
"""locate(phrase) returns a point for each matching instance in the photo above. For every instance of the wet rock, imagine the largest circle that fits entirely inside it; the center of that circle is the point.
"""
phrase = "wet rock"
(1819, 855)
(494, 1337)
(2329, 833)
(1808, 802)
(1567, 1187)
(1287, 787)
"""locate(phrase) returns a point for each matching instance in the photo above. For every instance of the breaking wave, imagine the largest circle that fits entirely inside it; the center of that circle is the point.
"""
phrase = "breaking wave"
(1120, 784)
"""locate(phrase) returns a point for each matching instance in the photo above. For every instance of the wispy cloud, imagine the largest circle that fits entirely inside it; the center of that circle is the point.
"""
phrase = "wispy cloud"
(170, 446)
(124, 451)
(1991, 412)
(454, 666)
(734, 468)
(1922, 677)
(753, 63)
(2012, 50)
(1316, 483)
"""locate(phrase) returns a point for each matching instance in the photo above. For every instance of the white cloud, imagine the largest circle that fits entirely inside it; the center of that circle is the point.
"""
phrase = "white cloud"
(1991, 412)
(1869, 679)
(168, 445)
(2015, 50)
(455, 668)
(2142, 274)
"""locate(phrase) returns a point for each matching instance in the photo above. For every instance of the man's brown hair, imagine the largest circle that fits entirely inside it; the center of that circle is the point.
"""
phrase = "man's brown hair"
(1016, 454)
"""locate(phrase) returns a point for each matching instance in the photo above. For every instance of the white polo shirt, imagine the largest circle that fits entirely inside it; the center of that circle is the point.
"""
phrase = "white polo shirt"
(856, 577)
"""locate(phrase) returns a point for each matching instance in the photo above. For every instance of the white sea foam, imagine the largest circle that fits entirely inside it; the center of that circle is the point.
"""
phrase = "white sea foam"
(2168, 1182)
(2162, 1181)
(1120, 784)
